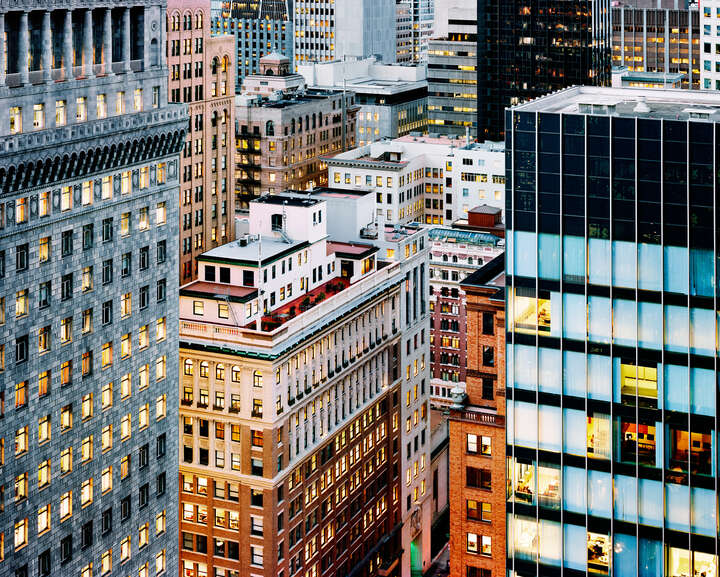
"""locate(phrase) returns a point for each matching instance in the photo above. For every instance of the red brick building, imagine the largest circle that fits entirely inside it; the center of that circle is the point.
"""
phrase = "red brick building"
(477, 433)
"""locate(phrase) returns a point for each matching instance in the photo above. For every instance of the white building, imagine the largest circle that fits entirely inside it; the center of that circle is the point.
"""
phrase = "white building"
(430, 179)
(392, 97)
(710, 44)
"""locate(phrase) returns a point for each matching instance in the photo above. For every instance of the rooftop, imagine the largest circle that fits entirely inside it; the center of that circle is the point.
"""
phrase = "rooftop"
(446, 234)
(394, 233)
(669, 104)
(354, 250)
(283, 199)
(491, 274)
(266, 249)
(485, 209)
(219, 290)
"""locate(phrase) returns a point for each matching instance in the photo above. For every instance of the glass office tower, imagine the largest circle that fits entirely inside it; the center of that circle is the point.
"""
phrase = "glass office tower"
(529, 48)
(612, 343)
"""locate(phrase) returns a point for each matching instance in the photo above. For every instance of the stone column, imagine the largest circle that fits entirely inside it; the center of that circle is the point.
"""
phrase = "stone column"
(47, 48)
(23, 49)
(88, 59)
(68, 46)
(2, 49)
(107, 41)
(126, 39)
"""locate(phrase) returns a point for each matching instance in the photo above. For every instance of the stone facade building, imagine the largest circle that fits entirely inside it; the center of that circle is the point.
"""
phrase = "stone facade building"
(202, 74)
(89, 173)
(477, 433)
(281, 137)
(304, 425)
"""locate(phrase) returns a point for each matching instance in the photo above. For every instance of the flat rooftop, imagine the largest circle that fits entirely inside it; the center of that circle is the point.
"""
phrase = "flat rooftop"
(286, 199)
(353, 250)
(665, 103)
(214, 290)
(267, 250)
(328, 192)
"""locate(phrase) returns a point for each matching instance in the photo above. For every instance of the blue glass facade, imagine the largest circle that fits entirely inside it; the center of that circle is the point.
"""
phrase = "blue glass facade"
(612, 264)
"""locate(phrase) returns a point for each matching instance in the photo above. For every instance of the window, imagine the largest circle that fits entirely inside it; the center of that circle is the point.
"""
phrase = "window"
(478, 478)
(479, 511)
(81, 109)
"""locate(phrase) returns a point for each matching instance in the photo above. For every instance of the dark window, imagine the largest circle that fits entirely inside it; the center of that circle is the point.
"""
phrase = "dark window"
(233, 550)
(144, 296)
(44, 294)
(125, 509)
(126, 267)
(479, 478)
(66, 549)
(248, 278)
(67, 242)
(256, 498)
(107, 520)
(143, 495)
(144, 258)
(66, 287)
(210, 273)
(488, 356)
(161, 290)
(187, 541)
(488, 389)
(201, 543)
(107, 312)
(160, 484)
(21, 349)
(143, 455)
(488, 324)
(86, 535)
(107, 271)
(160, 446)
(107, 230)
(161, 251)
(2, 264)
(44, 563)
(21, 257)
(88, 236)
(224, 274)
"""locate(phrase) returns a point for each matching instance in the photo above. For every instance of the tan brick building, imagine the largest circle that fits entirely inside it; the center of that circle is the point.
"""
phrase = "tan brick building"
(302, 389)
(202, 74)
(477, 433)
(281, 137)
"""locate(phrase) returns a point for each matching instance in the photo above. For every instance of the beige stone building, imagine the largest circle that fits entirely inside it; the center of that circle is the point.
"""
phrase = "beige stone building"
(202, 74)
(283, 128)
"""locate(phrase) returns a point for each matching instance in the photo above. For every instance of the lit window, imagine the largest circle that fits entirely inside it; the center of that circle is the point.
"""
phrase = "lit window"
(86, 492)
(21, 533)
(106, 479)
(65, 505)
(80, 109)
(126, 427)
(138, 100)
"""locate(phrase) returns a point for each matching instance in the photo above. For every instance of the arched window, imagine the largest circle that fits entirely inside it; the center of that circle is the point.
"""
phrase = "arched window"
(257, 379)
(454, 259)
(300, 124)
(445, 258)
(175, 22)
(314, 120)
(198, 20)
(225, 63)
(235, 374)
(154, 53)
(204, 369)
(214, 65)
(269, 128)
(187, 22)
(320, 119)
(470, 260)
(213, 118)
(219, 372)
(292, 126)
(188, 367)
(307, 122)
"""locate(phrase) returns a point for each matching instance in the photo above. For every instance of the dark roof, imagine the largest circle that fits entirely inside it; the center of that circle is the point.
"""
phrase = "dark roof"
(485, 209)
(486, 273)
(289, 200)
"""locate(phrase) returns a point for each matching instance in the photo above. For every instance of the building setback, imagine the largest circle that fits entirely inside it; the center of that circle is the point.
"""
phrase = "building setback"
(202, 75)
(477, 433)
(305, 429)
(528, 49)
(658, 40)
(281, 136)
(89, 186)
(612, 332)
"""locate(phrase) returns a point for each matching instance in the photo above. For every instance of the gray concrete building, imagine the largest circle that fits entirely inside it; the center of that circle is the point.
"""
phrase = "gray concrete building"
(88, 307)
(392, 97)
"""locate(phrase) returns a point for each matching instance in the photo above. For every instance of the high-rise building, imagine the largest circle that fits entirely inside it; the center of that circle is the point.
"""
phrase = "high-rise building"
(663, 41)
(612, 332)
(89, 172)
(283, 129)
(476, 426)
(333, 29)
(403, 31)
(392, 98)
(202, 74)
(423, 13)
(306, 442)
(528, 49)
(452, 70)
(259, 28)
